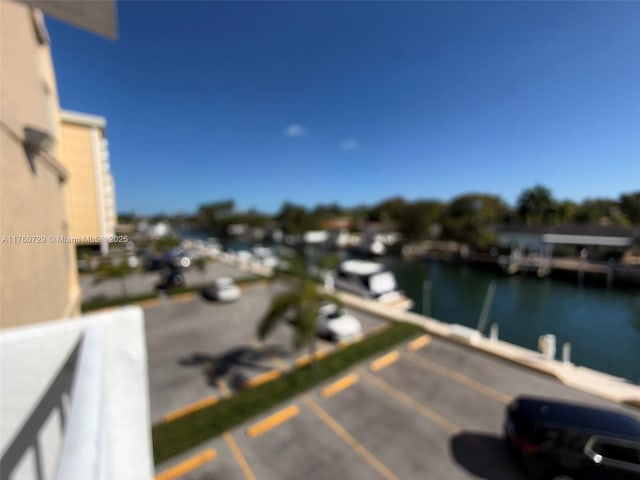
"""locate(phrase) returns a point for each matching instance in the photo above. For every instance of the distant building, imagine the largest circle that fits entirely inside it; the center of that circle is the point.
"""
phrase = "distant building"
(84, 151)
(315, 237)
(543, 238)
(338, 223)
(156, 230)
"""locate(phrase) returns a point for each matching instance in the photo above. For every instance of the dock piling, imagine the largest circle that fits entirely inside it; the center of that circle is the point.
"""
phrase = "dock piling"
(486, 306)
(566, 354)
(493, 333)
(426, 298)
(610, 270)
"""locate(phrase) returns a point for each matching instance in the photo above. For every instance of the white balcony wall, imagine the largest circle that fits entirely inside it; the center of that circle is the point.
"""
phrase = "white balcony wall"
(38, 367)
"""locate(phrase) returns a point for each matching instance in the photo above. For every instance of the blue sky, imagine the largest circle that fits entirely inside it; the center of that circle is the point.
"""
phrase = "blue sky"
(356, 102)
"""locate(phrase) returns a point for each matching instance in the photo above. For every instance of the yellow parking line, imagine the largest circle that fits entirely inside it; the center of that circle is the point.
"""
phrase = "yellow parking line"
(320, 354)
(419, 342)
(237, 454)
(342, 344)
(384, 361)
(272, 421)
(330, 422)
(306, 359)
(183, 297)
(280, 363)
(302, 361)
(410, 402)
(339, 385)
(261, 379)
(224, 388)
(188, 465)
(192, 407)
(152, 302)
(458, 377)
(380, 328)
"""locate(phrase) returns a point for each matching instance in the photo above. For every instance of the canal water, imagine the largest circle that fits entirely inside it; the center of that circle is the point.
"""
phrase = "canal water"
(603, 325)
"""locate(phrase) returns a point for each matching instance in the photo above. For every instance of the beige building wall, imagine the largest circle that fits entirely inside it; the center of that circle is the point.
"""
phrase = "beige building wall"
(38, 274)
(77, 156)
(84, 152)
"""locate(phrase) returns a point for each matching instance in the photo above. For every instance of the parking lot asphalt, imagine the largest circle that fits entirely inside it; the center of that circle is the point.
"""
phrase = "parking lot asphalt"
(432, 409)
(198, 348)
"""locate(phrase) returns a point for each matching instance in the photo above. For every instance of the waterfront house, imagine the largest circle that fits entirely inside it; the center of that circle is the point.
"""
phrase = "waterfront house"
(598, 240)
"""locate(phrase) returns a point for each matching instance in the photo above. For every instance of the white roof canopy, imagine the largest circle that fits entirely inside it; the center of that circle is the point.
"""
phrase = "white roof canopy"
(587, 240)
(95, 16)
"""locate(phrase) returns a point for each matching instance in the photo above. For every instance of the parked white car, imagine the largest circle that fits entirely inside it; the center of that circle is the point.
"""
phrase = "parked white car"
(223, 289)
(336, 324)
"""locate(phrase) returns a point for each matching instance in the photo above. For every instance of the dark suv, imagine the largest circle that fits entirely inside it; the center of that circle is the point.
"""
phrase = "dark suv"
(553, 440)
(171, 277)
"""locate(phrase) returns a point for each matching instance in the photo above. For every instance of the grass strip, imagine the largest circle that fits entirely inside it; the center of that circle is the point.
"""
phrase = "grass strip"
(170, 439)
(118, 301)
(115, 302)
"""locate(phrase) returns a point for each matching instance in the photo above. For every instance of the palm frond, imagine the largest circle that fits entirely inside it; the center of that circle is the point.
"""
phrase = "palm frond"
(329, 261)
(279, 307)
(327, 297)
(293, 265)
(306, 325)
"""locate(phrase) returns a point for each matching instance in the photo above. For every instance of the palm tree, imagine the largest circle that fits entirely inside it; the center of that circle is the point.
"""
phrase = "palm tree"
(201, 265)
(303, 300)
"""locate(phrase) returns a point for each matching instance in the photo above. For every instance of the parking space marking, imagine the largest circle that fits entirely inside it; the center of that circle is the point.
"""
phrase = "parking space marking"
(188, 465)
(183, 297)
(152, 302)
(280, 363)
(342, 344)
(272, 421)
(239, 457)
(224, 388)
(192, 407)
(384, 361)
(380, 328)
(458, 377)
(411, 403)
(330, 422)
(262, 378)
(339, 385)
(419, 342)
(306, 359)
(320, 354)
(302, 361)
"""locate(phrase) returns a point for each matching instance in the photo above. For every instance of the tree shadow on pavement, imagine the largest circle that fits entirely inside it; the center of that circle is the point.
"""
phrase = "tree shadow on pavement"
(233, 364)
(484, 455)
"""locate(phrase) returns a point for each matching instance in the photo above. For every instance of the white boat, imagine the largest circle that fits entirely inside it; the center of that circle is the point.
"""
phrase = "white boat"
(371, 280)
(265, 256)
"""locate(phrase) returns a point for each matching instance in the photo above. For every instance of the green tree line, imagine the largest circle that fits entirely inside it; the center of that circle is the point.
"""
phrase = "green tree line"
(468, 217)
